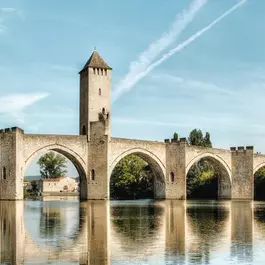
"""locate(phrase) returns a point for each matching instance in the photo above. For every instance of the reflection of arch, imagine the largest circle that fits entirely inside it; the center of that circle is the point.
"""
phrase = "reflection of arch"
(155, 163)
(77, 161)
(75, 239)
(224, 178)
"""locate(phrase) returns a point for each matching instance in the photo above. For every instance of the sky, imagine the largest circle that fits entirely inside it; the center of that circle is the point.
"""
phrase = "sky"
(174, 67)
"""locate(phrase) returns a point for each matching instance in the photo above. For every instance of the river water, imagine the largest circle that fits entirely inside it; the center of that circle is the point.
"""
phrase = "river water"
(132, 232)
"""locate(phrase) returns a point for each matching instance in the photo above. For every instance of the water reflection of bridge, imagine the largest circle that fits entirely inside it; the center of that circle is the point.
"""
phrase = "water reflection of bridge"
(180, 231)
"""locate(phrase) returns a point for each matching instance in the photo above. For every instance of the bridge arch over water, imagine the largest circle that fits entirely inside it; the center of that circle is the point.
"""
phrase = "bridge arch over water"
(156, 165)
(69, 153)
(222, 169)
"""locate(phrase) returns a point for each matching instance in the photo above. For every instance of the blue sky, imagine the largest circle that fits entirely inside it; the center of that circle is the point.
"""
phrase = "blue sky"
(215, 83)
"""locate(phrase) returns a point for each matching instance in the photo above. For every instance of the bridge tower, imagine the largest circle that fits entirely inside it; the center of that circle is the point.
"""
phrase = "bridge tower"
(95, 85)
(95, 89)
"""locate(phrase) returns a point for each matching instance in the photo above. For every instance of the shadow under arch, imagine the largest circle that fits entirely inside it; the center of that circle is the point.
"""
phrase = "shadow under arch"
(155, 164)
(224, 173)
(77, 161)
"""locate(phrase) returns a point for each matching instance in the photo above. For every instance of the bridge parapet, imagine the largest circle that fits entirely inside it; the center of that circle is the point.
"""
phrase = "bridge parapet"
(181, 140)
(241, 148)
(12, 129)
(242, 172)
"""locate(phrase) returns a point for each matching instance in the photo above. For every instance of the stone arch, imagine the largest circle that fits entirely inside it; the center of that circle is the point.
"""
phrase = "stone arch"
(259, 166)
(225, 178)
(77, 161)
(156, 164)
(257, 186)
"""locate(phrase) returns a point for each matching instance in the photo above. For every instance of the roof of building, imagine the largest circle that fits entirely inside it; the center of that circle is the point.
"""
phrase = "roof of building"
(96, 61)
(52, 179)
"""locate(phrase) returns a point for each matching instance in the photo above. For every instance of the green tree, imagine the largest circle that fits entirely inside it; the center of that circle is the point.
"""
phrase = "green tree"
(52, 165)
(202, 175)
(175, 136)
(131, 178)
(196, 138)
(207, 141)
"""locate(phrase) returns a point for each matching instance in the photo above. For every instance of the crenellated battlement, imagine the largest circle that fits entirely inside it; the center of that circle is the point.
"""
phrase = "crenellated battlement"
(242, 149)
(11, 130)
(181, 140)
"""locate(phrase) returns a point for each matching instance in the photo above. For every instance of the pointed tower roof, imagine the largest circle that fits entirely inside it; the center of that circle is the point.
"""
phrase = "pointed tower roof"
(96, 61)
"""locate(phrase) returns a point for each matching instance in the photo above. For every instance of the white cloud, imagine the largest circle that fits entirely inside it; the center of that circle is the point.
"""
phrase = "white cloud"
(145, 58)
(8, 10)
(14, 104)
(5, 12)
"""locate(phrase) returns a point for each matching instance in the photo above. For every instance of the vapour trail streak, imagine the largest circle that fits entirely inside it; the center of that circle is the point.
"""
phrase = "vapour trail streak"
(184, 44)
(146, 58)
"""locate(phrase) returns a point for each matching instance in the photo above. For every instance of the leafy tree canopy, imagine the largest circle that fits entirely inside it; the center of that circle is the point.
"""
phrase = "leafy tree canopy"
(203, 172)
(131, 178)
(52, 165)
(196, 138)
(175, 136)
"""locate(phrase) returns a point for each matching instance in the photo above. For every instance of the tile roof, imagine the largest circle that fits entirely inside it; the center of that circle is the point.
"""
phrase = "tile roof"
(96, 61)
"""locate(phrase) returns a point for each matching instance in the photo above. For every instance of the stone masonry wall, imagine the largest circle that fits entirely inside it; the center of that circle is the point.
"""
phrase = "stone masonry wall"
(98, 188)
(154, 153)
(9, 162)
(176, 178)
(242, 172)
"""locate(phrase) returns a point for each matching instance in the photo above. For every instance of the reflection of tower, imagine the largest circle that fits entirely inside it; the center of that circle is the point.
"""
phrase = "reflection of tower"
(98, 231)
(175, 229)
(12, 232)
(241, 231)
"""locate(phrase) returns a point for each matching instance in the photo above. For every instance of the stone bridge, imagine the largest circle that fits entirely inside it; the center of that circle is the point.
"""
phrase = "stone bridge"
(94, 152)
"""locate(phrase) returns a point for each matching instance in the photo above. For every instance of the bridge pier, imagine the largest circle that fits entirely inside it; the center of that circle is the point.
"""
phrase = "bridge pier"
(176, 170)
(11, 157)
(242, 173)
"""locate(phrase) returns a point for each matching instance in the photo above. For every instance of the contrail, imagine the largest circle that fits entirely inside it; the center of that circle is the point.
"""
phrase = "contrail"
(145, 58)
(184, 44)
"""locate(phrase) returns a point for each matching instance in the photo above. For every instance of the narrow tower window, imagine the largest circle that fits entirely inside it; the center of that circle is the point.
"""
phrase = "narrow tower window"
(98, 71)
(94, 71)
(172, 176)
(4, 173)
(105, 71)
(101, 71)
(99, 91)
(84, 130)
(92, 174)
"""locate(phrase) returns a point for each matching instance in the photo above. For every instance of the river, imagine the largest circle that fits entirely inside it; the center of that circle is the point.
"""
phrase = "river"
(132, 232)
